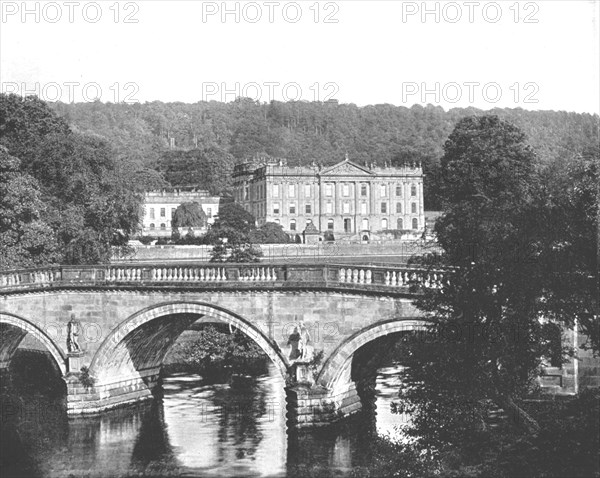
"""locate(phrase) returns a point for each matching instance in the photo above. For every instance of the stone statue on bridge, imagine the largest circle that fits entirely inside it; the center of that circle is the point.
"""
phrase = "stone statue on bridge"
(305, 344)
(72, 334)
(294, 342)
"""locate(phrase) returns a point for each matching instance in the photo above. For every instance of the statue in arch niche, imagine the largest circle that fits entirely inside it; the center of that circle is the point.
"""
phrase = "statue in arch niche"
(305, 344)
(72, 334)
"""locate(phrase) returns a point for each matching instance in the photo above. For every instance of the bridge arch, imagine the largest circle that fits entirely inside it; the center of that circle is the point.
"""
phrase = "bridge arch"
(13, 330)
(140, 343)
(335, 373)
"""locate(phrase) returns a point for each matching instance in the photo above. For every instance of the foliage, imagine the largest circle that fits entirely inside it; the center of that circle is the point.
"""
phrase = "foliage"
(85, 378)
(210, 168)
(189, 214)
(217, 352)
(91, 194)
(26, 239)
(488, 339)
(230, 235)
(210, 136)
(232, 215)
(269, 233)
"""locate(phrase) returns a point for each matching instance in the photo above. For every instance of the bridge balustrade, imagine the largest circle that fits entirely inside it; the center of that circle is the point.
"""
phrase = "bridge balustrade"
(368, 277)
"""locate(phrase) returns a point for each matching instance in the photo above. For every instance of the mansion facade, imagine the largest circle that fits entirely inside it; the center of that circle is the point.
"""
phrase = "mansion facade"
(346, 199)
(159, 207)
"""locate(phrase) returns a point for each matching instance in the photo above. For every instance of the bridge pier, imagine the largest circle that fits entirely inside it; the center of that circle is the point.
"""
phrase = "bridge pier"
(87, 399)
(312, 405)
(317, 406)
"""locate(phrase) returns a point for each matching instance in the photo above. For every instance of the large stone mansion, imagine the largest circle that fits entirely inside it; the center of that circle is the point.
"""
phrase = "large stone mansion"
(347, 199)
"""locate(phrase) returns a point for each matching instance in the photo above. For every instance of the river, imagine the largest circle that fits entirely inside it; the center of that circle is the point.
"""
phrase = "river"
(194, 429)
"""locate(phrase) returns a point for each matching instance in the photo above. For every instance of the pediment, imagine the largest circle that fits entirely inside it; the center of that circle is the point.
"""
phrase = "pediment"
(346, 168)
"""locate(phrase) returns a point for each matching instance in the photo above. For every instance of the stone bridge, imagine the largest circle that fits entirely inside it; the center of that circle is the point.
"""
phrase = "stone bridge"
(129, 316)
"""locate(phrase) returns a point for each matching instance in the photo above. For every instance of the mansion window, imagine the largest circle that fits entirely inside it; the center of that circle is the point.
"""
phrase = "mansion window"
(246, 193)
(330, 224)
(398, 208)
(415, 223)
(413, 190)
(363, 189)
(275, 190)
(346, 208)
(383, 190)
(413, 208)
(209, 212)
(293, 225)
(365, 224)
(291, 190)
(329, 189)
(384, 224)
(383, 208)
(329, 208)
(292, 209)
(308, 209)
(275, 208)
(363, 208)
(163, 226)
(398, 190)
(162, 212)
(345, 190)
(152, 226)
(151, 213)
(307, 190)
(277, 221)
(173, 209)
(399, 224)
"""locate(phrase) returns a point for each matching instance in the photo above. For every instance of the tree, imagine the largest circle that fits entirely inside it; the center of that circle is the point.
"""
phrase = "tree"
(487, 337)
(188, 214)
(210, 168)
(230, 235)
(568, 247)
(269, 233)
(216, 350)
(26, 240)
(92, 196)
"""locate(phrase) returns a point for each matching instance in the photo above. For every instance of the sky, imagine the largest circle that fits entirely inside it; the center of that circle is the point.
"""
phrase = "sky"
(541, 55)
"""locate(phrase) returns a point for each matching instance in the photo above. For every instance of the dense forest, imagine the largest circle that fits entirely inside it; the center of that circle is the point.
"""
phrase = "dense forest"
(199, 143)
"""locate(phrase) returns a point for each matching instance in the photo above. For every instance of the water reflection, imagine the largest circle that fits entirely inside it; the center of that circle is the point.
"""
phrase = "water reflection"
(193, 429)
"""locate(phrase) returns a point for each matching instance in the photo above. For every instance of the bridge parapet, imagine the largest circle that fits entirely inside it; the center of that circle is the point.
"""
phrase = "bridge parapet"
(243, 275)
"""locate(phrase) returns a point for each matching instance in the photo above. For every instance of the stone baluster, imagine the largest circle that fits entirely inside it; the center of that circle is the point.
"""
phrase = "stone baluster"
(368, 276)
(355, 276)
(387, 277)
(342, 275)
(361, 276)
